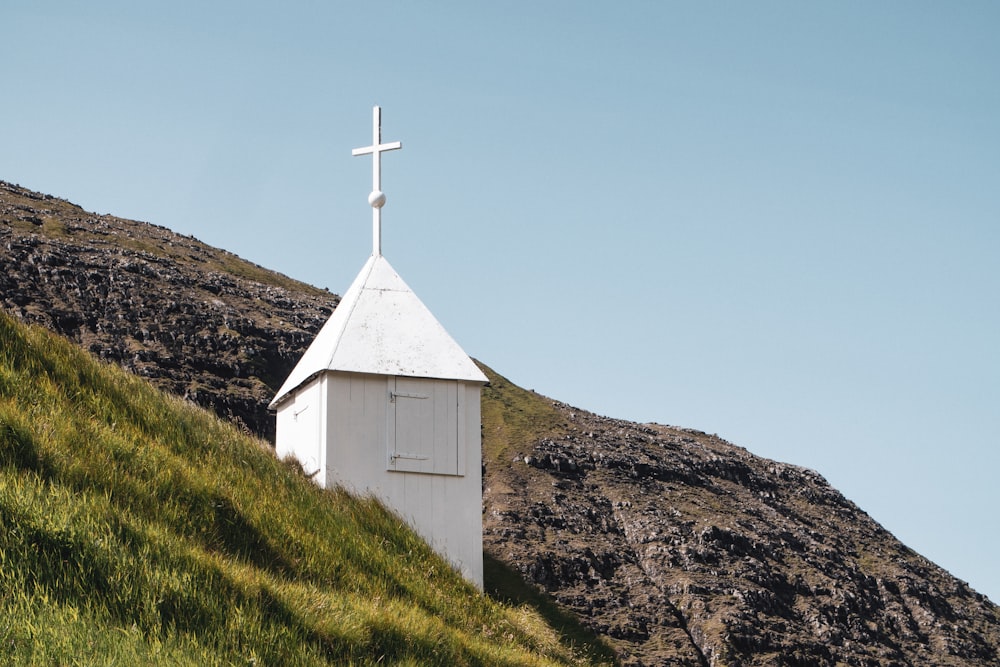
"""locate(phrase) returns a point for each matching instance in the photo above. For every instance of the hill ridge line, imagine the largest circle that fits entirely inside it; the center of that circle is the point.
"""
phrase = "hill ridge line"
(767, 563)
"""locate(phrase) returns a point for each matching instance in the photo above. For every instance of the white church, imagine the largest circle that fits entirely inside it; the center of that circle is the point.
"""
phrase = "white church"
(385, 402)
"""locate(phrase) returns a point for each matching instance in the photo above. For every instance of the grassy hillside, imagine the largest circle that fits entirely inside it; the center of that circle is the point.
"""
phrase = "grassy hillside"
(138, 529)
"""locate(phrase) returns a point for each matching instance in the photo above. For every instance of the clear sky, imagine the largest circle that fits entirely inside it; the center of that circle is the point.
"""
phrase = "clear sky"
(774, 221)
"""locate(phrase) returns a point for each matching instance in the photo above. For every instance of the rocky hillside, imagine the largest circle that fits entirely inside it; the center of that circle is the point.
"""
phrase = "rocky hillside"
(678, 547)
(685, 549)
(197, 321)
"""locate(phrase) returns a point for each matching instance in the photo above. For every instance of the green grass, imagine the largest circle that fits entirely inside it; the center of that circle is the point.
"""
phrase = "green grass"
(514, 418)
(138, 529)
(506, 585)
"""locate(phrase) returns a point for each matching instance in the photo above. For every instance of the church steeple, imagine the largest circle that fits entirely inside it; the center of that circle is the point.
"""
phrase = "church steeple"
(385, 402)
(380, 325)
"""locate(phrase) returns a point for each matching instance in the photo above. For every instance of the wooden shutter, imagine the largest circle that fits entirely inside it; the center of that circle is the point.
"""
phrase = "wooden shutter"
(423, 425)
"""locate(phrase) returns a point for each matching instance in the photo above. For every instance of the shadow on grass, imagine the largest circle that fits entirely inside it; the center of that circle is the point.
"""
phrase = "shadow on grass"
(505, 584)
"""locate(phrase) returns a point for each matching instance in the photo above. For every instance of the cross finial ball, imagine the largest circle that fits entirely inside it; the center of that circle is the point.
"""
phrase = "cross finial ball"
(377, 198)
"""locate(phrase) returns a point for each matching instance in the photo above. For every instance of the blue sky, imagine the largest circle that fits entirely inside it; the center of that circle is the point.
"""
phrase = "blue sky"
(774, 221)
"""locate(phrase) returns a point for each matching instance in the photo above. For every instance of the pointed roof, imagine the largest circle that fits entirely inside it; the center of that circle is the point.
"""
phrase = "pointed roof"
(382, 327)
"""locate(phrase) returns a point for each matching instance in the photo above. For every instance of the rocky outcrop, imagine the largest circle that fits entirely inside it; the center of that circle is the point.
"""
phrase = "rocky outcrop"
(684, 549)
(676, 546)
(195, 320)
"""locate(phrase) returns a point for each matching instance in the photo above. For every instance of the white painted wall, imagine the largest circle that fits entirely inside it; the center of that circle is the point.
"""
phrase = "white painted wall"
(361, 428)
(299, 428)
(444, 509)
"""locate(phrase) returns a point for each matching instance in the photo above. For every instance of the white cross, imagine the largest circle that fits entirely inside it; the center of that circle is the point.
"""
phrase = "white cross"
(377, 197)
